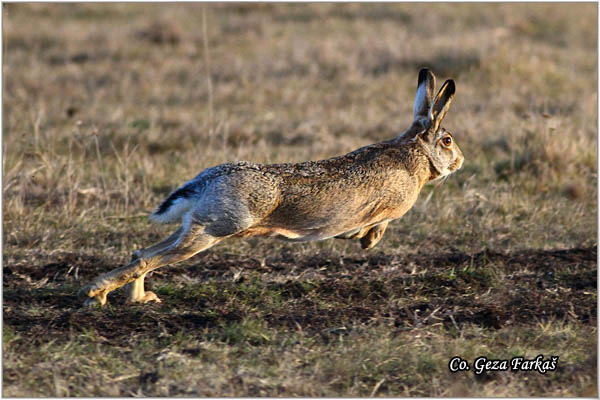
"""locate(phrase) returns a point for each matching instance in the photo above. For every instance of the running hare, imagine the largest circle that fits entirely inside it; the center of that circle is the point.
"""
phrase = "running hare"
(349, 197)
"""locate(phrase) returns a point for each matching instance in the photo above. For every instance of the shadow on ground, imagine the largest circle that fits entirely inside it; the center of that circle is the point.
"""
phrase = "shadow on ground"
(315, 294)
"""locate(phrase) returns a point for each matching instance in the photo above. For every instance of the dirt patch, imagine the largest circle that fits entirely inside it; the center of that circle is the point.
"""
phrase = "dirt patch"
(321, 294)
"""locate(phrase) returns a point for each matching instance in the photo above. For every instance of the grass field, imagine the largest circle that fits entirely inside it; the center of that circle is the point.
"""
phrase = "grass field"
(109, 107)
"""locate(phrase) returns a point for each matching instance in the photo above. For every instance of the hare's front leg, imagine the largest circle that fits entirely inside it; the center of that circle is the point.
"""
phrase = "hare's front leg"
(373, 236)
(190, 241)
(369, 236)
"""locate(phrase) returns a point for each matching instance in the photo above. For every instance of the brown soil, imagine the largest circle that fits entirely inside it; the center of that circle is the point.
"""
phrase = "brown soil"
(321, 294)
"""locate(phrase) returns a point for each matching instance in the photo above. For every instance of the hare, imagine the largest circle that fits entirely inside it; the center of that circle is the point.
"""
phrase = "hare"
(353, 196)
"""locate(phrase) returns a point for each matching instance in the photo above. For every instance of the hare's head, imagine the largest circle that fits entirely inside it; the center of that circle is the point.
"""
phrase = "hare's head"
(437, 142)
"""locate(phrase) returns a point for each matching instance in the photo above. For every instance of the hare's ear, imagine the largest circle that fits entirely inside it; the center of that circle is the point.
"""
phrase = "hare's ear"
(441, 104)
(424, 96)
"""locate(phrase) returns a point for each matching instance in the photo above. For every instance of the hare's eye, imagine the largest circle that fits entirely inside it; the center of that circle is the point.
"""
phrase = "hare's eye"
(447, 141)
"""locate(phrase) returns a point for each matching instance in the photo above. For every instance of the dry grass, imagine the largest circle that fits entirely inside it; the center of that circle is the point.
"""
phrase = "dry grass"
(108, 107)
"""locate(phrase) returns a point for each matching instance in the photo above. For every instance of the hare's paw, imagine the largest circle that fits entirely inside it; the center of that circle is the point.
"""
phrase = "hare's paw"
(147, 297)
(94, 296)
(95, 301)
(151, 296)
(373, 236)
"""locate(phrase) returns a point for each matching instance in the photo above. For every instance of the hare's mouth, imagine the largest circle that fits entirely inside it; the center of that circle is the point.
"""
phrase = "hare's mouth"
(447, 171)
(456, 165)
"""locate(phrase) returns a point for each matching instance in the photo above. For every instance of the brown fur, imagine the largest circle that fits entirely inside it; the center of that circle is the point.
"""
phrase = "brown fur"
(353, 196)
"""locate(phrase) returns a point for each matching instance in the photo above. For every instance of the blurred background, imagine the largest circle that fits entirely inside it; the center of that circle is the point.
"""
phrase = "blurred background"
(109, 107)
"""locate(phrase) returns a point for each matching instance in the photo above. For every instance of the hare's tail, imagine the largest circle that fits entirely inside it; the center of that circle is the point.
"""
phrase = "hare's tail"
(174, 206)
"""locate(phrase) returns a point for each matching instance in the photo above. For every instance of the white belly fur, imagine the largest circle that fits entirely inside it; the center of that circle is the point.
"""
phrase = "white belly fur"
(316, 234)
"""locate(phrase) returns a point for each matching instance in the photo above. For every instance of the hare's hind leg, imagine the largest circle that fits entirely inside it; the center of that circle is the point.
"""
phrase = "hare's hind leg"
(191, 240)
(135, 289)
(136, 293)
(157, 247)
(186, 245)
